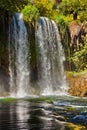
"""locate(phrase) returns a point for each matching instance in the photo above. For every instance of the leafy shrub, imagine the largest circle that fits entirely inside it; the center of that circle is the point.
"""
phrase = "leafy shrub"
(31, 13)
(79, 59)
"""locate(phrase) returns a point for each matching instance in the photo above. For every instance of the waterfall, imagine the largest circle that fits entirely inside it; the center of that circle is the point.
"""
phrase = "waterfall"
(51, 57)
(45, 75)
(18, 57)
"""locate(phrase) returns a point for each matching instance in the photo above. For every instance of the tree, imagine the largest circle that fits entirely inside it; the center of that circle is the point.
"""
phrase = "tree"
(79, 58)
(37, 8)
(77, 8)
(45, 7)
(31, 13)
(13, 5)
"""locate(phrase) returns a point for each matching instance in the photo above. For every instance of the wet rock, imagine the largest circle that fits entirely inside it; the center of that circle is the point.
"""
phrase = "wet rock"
(4, 83)
(59, 117)
(84, 113)
(62, 104)
(46, 120)
(80, 119)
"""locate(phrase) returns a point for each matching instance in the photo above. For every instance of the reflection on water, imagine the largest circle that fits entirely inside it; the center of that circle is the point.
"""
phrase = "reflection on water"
(24, 115)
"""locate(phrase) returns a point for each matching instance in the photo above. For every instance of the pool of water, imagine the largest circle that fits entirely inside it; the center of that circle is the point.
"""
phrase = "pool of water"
(39, 113)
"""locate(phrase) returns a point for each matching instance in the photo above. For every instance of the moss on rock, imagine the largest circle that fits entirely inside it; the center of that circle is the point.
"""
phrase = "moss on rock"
(70, 126)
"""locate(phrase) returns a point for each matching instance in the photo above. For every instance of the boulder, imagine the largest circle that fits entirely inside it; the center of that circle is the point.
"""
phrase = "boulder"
(79, 119)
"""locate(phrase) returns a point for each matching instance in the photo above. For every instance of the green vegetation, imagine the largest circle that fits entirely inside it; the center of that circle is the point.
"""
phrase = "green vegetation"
(76, 9)
(41, 99)
(13, 5)
(7, 99)
(44, 6)
(70, 126)
(68, 10)
(79, 59)
(63, 13)
(74, 73)
(31, 13)
(39, 8)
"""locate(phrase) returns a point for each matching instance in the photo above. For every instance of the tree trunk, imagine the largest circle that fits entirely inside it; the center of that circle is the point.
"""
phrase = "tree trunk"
(75, 15)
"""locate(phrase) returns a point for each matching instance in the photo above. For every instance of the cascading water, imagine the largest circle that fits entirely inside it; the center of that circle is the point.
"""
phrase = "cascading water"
(51, 57)
(48, 64)
(18, 55)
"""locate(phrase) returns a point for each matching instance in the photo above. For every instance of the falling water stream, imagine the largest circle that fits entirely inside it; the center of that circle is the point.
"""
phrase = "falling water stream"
(50, 57)
(18, 54)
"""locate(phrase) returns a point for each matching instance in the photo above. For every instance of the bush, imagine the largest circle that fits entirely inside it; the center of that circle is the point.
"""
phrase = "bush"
(79, 59)
(31, 13)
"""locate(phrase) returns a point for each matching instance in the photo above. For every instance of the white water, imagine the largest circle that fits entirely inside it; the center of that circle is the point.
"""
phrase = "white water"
(51, 57)
(18, 54)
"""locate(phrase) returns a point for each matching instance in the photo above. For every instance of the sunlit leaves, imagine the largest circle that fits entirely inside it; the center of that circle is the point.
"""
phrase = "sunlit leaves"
(30, 13)
(37, 8)
(44, 6)
(76, 7)
(79, 59)
(12, 5)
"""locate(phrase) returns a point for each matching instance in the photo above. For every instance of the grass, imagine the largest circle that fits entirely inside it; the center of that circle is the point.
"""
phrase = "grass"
(7, 99)
(74, 73)
(80, 73)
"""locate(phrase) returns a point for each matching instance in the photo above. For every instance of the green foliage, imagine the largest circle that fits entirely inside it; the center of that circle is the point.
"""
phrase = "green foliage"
(31, 13)
(13, 5)
(36, 8)
(73, 10)
(41, 99)
(65, 34)
(76, 8)
(69, 8)
(60, 18)
(44, 6)
(79, 59)
(7, 100)
(74, 73)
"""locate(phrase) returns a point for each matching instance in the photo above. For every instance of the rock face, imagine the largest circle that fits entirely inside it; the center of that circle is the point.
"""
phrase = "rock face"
(4, 59)
(4, 83)
(78, 36)
(77, 84)
(4, 41)
(77, 32)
